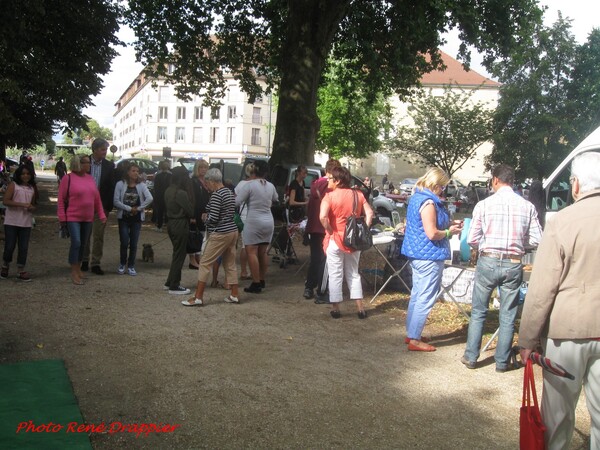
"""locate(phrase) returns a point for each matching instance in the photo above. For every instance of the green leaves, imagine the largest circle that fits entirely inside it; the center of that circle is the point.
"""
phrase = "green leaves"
(446, 130)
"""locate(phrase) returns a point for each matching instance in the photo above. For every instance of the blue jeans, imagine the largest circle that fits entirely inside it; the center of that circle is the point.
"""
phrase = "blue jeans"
(14, 235)
(129, 234)
(426, 280)
(507, 277)
(80, 233)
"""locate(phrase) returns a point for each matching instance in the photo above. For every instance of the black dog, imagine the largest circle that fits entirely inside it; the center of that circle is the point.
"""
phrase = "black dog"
(148, 253)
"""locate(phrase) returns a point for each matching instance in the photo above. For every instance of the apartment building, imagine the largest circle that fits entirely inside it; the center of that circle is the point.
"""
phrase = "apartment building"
(150, 121)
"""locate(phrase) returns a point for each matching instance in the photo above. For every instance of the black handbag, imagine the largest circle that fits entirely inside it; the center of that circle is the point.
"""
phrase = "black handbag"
(195, 239)
(357, 235)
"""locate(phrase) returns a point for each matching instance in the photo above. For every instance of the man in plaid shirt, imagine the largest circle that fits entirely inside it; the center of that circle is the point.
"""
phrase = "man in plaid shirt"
(503, 227)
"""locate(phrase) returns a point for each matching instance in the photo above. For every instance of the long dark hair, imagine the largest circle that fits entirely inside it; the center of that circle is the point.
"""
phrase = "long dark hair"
(19, 172)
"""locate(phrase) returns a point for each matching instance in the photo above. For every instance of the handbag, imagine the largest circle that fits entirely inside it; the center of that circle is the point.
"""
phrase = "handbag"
(194, 241)
(237, 219)
(531, 436)
(357, 235)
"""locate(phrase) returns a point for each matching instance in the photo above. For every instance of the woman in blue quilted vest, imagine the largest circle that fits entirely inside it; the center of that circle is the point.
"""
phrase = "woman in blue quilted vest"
(426, 244)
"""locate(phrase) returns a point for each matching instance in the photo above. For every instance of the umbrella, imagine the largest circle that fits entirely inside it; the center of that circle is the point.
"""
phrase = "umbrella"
(553, 368)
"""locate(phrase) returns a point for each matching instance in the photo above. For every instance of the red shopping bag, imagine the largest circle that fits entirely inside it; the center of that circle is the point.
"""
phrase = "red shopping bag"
(530, 420)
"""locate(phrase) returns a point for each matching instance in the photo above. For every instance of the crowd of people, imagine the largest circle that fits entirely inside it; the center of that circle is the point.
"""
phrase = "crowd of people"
(558, 315)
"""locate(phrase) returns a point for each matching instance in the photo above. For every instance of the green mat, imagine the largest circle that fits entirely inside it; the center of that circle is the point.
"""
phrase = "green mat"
(40, 392)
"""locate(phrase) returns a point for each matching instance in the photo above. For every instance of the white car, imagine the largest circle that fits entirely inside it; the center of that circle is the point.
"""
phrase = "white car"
(408, 185)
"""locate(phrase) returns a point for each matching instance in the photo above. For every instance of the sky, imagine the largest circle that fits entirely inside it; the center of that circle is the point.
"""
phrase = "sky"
(585, 15)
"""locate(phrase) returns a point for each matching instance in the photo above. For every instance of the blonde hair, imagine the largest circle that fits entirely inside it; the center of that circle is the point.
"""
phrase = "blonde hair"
(433, 177)
(198, 164)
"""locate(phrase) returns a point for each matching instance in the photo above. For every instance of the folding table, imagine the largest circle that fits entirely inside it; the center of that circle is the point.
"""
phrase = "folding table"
(385, 240)
(447, 289)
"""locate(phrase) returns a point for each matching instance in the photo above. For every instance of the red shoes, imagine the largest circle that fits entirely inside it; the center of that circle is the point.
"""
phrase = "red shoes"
(421, 347)
(423, 339)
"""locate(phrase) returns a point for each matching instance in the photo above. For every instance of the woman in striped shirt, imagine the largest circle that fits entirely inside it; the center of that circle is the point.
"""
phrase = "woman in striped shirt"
(222, 237)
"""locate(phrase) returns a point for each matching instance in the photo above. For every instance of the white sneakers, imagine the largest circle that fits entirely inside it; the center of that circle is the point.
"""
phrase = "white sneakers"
(231, 299)
(196, 302)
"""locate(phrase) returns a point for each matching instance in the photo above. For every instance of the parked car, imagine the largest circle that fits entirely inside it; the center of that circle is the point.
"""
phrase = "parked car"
(148, 169)
(455, 188)
(382, 204)
(408, 185)
(476, 191)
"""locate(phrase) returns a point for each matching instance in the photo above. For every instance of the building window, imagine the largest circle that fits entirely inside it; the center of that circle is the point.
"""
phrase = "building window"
(215, 113)
(197, 135)
(162, 134)
(255, 136)
(170, 69)
(181, 113)
(164, 94)
(163, 112)
(180, 134)
(256, 117)
(198, 113)
(213, 135)
(231, 113)
(230, 134)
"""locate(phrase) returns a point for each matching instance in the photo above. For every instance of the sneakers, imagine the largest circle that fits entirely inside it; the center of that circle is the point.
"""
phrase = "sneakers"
(4, 273)
(24, 276)
(179, 290)
(131, 271)
(121, 269)
(97, 270)
(308, 293)
(468, 364)
(231, 299)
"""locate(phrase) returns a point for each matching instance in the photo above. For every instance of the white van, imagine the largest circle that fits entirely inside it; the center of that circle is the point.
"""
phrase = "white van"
(557, 186)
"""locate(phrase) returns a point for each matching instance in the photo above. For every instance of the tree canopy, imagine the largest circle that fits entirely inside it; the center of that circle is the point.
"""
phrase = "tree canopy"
(549, 100)
(91, 131)
(53, 55)
(447, 130)
(352, 123)
(389, 44)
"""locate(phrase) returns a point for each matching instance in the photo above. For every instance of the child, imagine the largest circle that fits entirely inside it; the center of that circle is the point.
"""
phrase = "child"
(131, 198)
(19, 201)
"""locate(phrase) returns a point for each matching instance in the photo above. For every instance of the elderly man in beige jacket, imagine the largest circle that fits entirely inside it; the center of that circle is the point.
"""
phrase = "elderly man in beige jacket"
(562, 308)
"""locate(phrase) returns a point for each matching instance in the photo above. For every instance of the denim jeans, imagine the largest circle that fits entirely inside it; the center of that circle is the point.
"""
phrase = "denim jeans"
(129, 234)
(507, 277)
(14, 236)
(426, 280)
(80, 233)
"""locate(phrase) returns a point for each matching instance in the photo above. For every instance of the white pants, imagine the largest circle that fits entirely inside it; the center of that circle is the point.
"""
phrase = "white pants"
(559, 399)
(342, 265)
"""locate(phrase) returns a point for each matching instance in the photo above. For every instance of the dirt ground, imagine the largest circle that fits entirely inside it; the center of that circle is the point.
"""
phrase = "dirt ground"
(274, 371)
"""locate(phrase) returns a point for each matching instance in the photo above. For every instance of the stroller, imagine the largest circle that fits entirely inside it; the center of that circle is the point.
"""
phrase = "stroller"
(282, 243)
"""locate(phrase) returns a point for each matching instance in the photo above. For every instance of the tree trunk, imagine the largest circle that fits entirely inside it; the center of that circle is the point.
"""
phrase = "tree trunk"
(312, 27)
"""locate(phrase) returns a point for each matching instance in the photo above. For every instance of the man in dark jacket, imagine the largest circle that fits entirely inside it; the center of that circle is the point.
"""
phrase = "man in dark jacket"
(103, 172)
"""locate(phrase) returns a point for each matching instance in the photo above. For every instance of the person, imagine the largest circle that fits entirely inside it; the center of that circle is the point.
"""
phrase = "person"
(250, 171)
(60, 169)
(180, 213)
(19, 201)
(78, 201)
(561, 307)
(316, 235)
(537, 196)
(384, 180)
(503, 227)
(297, 201)
(131, 199)
(342, 262)
(103, 173)
(162, 180)
(426, 244)
(258, 195)
(201, 196)
(222, 239)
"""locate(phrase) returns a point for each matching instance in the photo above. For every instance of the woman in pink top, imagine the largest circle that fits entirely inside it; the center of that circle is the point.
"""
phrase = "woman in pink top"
(342, 262)
(19, 200)
(78, 201)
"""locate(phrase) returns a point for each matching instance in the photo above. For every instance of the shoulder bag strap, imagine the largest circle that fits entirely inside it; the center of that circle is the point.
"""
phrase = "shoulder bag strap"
(66, 202)
(354, 203)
